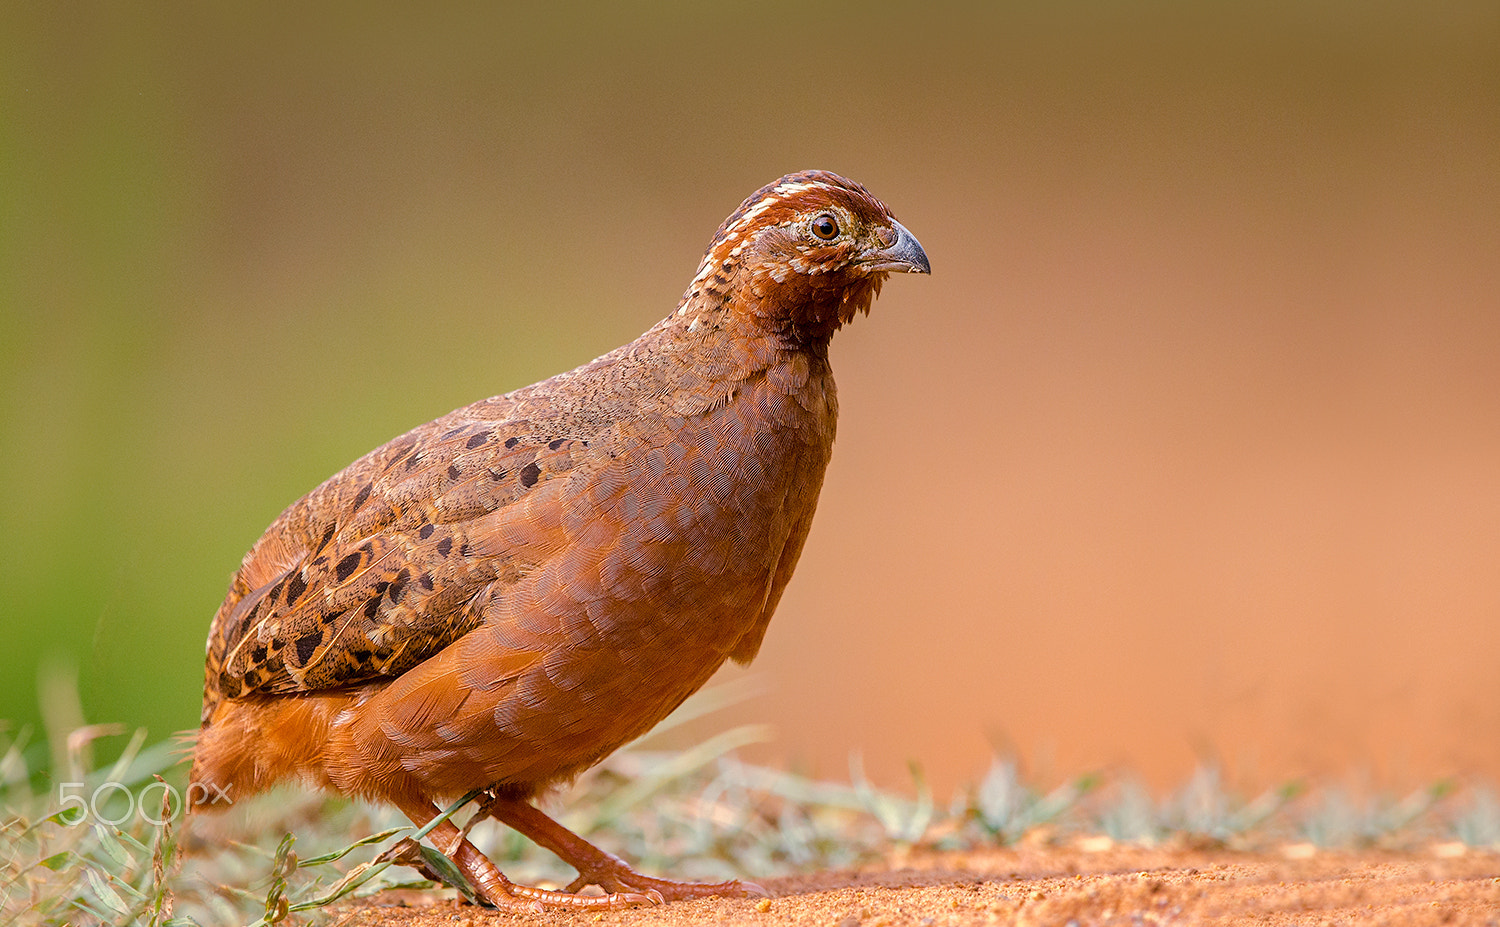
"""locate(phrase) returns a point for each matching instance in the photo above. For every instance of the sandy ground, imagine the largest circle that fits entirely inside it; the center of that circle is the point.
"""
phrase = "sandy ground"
(1085, 885)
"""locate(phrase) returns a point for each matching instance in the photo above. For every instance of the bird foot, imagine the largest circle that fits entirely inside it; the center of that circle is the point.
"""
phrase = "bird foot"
(596, 867)
(489, 887)
(513, 897)
(479, 880)
(619, 877)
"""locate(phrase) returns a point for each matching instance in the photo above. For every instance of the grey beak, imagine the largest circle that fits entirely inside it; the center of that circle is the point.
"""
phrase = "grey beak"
(905, 256)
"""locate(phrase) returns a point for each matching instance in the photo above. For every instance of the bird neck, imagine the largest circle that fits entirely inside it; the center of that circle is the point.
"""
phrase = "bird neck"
(799, 311)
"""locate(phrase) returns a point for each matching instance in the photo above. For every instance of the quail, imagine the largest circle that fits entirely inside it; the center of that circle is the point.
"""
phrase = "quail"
(500, 598)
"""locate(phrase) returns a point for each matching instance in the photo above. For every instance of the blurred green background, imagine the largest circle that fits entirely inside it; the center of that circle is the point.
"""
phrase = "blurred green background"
(1189, 446)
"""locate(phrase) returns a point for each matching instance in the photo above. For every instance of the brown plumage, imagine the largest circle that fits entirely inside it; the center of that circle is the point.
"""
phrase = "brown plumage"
(501, 597)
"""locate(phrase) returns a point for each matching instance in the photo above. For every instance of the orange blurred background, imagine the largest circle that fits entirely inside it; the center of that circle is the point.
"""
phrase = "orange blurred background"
(1189, 449)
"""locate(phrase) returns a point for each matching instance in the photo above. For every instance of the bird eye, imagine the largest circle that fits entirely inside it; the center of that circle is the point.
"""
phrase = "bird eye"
(825, 227)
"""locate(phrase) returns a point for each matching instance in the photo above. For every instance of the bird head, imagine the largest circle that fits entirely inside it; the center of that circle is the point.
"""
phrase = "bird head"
(803, 255)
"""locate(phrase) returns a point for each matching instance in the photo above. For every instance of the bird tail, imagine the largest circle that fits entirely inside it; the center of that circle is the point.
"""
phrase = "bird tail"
(248, 746)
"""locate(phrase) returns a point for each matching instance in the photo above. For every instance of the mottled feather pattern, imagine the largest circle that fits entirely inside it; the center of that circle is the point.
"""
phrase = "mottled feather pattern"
(503, 596)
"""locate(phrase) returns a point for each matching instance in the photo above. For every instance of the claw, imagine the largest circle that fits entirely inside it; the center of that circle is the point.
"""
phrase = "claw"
(540, 900)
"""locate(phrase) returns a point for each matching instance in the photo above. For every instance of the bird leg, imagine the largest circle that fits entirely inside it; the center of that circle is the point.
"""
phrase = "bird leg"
(596, 867)
(491, 885)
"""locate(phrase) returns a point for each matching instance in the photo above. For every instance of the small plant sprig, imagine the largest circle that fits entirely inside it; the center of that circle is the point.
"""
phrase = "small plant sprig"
(87, 863)
(285, 863)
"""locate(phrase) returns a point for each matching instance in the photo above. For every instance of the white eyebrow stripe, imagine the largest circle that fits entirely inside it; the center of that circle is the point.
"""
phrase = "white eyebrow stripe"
(778, 194)
(754, 212)
(787, 189)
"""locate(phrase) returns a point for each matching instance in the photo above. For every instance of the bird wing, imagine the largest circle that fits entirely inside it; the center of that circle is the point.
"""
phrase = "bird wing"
(378, 569)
